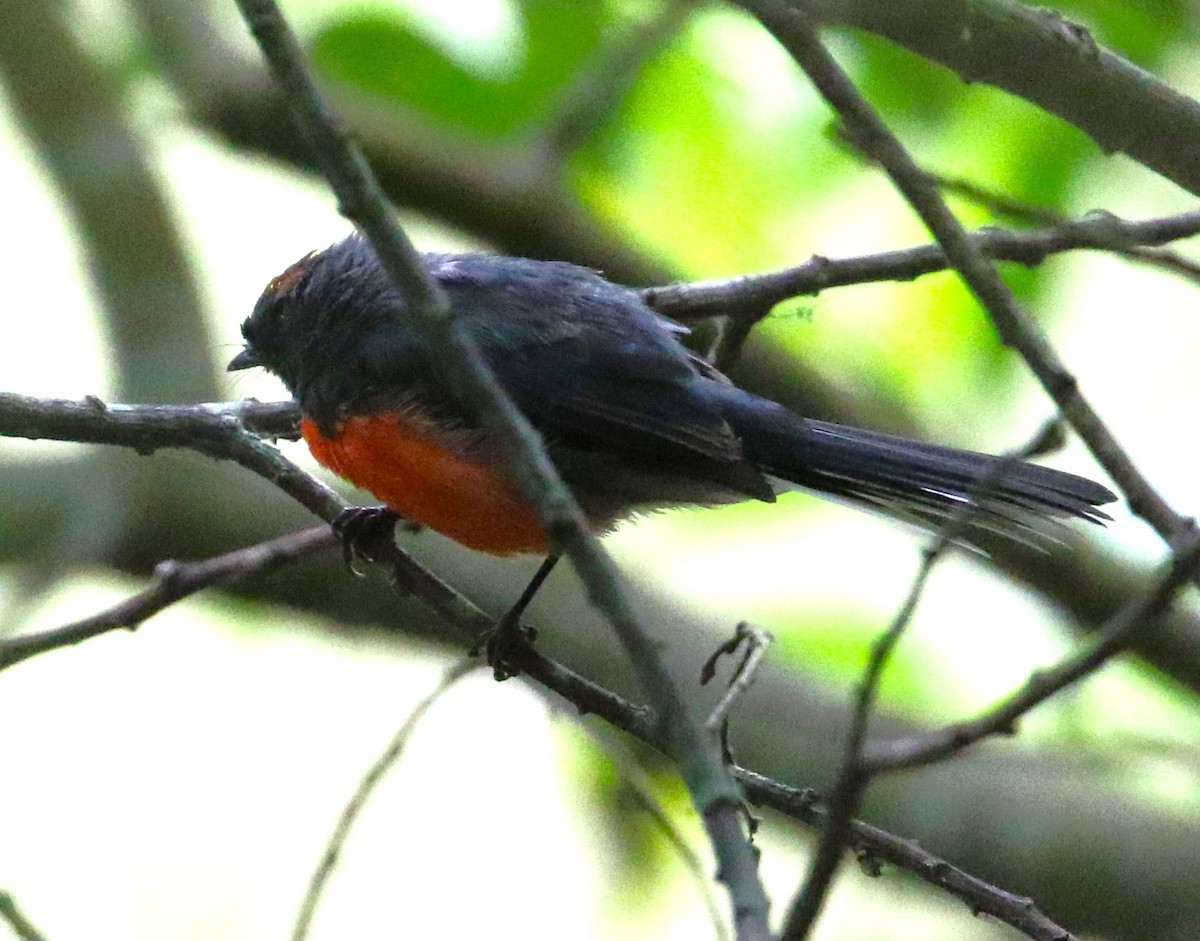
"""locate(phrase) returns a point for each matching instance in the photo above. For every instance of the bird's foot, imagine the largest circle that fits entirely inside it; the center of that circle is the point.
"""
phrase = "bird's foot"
(360, 528)
(502, 644)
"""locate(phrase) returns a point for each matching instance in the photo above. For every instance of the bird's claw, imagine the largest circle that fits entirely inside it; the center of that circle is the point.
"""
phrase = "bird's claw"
(360, 528)
(499, 644)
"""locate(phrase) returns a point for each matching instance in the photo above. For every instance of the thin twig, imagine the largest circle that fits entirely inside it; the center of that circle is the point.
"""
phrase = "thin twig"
(757, 642)
(851, 783)
(801, 804)
(747, 300)
(173, 581)
(1007, 205)
(360, 199)
(1138, 615)
(641, 786)
(750, 296)
(366, 786)
(852, 778)
(20, 925)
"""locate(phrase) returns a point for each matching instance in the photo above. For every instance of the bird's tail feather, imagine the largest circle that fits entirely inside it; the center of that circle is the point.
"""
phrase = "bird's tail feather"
(910, 480)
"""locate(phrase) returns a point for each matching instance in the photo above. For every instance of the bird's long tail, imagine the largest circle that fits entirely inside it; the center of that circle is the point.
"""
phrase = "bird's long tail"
(911, 480)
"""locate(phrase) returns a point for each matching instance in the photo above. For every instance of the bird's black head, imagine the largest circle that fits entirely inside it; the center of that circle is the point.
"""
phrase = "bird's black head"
(280, 324)
(316, 323)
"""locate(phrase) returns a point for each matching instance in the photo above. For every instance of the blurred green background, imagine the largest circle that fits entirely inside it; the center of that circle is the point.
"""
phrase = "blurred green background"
(179, 782)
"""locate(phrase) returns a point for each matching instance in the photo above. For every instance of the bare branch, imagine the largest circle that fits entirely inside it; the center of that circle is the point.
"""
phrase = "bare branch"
(1139, 615)
(853, 778)
(172, 426)
(980, 896)
(215, 430)
(752, 296)
(173, 581)
(1003, 204)
(20, 925)
(366, 787)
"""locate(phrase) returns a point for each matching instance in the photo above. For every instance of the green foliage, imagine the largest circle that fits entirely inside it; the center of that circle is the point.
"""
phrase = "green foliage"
(384, 54)
(617, 778)
(1144, 32)
(715, 153)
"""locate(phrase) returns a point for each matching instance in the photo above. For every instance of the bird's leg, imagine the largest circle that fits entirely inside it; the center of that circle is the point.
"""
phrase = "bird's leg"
(508, 633)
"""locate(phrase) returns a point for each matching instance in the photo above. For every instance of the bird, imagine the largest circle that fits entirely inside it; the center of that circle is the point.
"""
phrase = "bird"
(633, 420)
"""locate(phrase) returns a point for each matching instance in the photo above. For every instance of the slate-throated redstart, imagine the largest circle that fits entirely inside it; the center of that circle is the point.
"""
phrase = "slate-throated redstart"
(632, 419)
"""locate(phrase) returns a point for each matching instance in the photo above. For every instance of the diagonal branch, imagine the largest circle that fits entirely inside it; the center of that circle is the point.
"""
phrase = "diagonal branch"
(878, 845)
(853, 777)
(388, 759)
(173, 581)
(22, 927)
(360, 198)
(792, 28)
(1031, 214)
(1139, 615)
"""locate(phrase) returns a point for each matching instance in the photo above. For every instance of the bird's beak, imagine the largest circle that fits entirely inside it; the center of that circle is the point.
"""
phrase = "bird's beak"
(244, 360)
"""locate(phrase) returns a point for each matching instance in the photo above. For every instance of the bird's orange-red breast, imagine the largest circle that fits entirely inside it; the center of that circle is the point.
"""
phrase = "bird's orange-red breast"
(427, 481)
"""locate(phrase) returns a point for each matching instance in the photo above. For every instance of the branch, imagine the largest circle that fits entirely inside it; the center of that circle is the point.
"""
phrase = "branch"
(980, 896)
(171, 426)
(216, 430)
(173, 581)
(853, 777)
(20, 925)
(360, 198)
(1138, 616)
(801, 804)
(1005, 205)
(366, 787)
(792, 29)
(755, 295)
(1122, 107)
